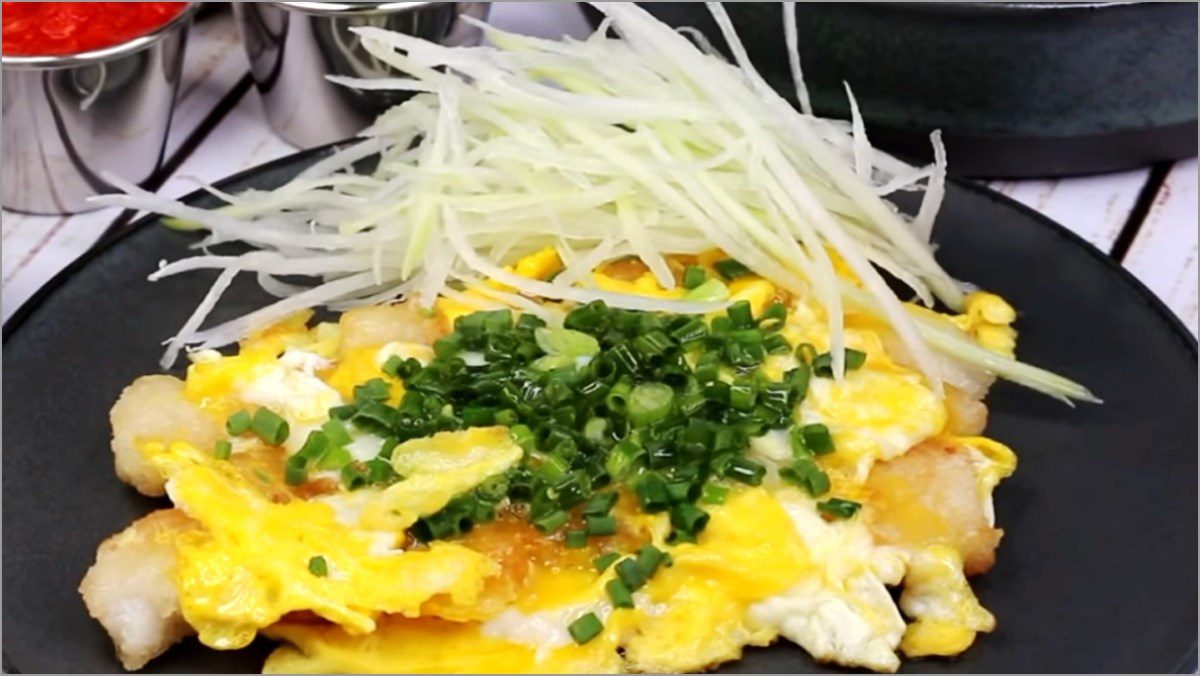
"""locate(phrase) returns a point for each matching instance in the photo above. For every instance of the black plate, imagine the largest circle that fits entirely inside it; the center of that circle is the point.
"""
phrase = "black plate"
(1097, 572)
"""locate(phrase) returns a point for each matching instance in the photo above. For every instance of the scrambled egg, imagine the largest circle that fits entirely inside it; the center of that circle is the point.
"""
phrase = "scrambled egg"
(768, 565)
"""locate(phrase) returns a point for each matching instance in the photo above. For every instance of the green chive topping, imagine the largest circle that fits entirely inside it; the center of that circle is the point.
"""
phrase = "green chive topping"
(731, 269)
(269, 426)
(575, 539)
(839, 508)
(817, 439)
(317, 566)
(600, 504)
(586, 628)
(238, 423)
(712, 494)
(619, 594)
(393, 366)
(649, 558)
(601, 525)
(632, 574)
(694, 276)
(552, 521)
(602, 562)
(223, 450)
(805, 474)
(688, 518)
(822, 364)
(663, 406)
(336, 432)
(649, 403)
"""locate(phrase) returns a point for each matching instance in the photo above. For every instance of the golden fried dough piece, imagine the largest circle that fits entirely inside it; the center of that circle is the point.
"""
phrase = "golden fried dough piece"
(967, 416)
(374, 326)
(932, 495)
(153, 408)
(130, 590)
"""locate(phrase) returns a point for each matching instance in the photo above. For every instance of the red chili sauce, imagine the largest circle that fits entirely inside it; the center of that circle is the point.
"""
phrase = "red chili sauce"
(50, 28)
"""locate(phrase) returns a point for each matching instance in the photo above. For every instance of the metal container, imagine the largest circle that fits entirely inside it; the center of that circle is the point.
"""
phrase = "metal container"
(69, 119)
(292, 46)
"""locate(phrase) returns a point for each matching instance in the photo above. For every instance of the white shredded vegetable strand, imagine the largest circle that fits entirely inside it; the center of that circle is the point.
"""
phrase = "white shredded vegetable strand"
(862, 146)
(645, 145)
(792, 42)
(931, 201)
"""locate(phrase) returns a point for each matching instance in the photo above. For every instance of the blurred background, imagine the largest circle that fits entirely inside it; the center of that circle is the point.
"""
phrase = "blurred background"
(1083, 111)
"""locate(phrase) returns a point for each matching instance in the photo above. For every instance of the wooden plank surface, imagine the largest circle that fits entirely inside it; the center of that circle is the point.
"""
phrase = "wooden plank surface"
(1163, 255)
(1094, 207)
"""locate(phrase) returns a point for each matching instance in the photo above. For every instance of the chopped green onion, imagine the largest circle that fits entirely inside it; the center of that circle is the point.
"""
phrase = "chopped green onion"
(295, 470)
(393, 365)
(806, 353)
(694, 276)
(739, 313)
(586, 628)
(374, 390)
(600, 504)
(822, 364)
(587, 317)
(817, 439)
(336, 457)
(688, 518)
(712, 494)
(566, 343)
(575, 539)
(223, 449)
(731, 269)
(600, 525)
(632, 574)
(617, 399)
(317, 566)
(746, 471)
(854, 359)
(619, 594)
(623, 459)
(651, 490)
(805, 474)
(336, 432)
(649, 558)
(380, 471)
(711, 291)
(839, 508)
(238, 423)
(478, 416)
(269, 426)
(602, 562)
(551, 522)
(742, 396)
(649, 403)
(315, 446)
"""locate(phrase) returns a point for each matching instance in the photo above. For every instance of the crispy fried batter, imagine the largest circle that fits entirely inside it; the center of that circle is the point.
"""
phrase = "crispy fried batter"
(130, 590)
(931, 495)
(967, 416)
(378, 325)
(153, 408)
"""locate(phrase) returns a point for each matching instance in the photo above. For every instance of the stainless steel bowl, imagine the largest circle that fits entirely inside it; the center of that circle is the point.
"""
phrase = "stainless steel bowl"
(69, 119)
(292, 46)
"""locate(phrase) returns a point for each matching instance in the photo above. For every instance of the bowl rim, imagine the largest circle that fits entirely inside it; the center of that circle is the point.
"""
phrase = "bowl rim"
(353, 8)
(48, 61)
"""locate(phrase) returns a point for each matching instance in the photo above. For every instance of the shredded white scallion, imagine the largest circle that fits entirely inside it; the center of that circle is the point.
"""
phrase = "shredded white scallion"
(647, 144)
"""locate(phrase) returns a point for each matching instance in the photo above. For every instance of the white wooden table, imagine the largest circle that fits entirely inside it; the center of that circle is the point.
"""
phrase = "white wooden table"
(1145, 218)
